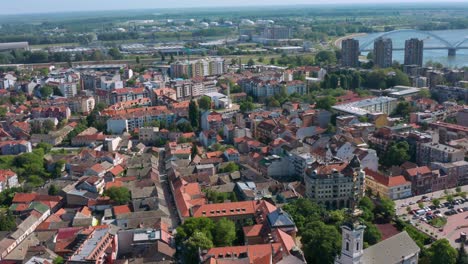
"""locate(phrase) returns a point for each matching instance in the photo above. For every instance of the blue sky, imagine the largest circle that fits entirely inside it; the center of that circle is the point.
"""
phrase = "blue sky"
(47, 6)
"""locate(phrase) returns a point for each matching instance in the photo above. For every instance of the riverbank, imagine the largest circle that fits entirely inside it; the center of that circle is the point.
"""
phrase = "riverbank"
(337, 42)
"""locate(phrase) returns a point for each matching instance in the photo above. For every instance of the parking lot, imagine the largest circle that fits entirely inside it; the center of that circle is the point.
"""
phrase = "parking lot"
(455, 213)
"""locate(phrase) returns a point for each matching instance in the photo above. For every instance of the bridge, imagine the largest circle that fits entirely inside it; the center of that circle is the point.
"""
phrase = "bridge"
(452, 48)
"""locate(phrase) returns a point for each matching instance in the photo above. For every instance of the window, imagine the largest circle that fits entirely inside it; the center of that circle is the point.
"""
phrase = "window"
(357, 246)
(347, 246)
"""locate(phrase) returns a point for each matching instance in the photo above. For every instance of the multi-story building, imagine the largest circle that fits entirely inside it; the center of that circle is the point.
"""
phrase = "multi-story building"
(383, 50)
(335, 184)
(15, 147)
(448, 132)
(446, 93)
(59, 112)
(458, 170)
(414, 51)
(8, 179)
(392, 187)
(81, 104)
(435, 152)
(424, 180)
(128, 94)
(381, 104)
(68, 89)
(198, 68)
(97, 247)
(277, 32)
(350, 52)
(462, 117)
(129, 119)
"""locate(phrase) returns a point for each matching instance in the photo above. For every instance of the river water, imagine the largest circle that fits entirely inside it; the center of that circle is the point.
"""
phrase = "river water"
(451, 36)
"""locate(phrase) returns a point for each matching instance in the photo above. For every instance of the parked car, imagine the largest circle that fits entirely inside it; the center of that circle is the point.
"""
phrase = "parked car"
(450, 207)
(460, 210)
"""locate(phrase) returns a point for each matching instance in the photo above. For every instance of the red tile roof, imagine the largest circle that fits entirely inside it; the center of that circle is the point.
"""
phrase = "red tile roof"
(24, 197)
(117, 170)
(225, 209)
(254, 252)
(385, 180)
(421, 170)
(252, 231)
(121, 209)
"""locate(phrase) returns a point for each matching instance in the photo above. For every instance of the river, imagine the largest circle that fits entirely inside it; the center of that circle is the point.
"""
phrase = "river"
(452, 36)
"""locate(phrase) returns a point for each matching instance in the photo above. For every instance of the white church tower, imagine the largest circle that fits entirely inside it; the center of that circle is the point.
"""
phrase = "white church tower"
(353, 231)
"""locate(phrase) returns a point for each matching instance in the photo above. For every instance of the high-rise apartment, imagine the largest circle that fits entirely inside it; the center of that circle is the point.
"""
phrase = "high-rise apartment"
(383, 52)
(414, 52)
(350, 52)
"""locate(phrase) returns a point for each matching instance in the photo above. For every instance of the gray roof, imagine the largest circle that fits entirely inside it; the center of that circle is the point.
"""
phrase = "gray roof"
(280, 218)
(391, 250)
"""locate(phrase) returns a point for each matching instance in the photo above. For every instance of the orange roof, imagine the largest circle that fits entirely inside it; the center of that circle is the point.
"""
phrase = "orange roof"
(24, 197)
(252, 231)
(225, 209)
(385, 180)
(231, 151)
(5, 174)
(121, 209)
(255, 252)
(286, 240)
(421, 170)
(113, 184)
(213, 154)
(117, 170)
(85, 211)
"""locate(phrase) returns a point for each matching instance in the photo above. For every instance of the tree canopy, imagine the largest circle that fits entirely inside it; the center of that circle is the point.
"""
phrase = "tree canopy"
(120, 195)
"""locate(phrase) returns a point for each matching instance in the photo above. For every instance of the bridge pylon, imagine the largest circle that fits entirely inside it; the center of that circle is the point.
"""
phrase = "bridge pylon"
(452, 52)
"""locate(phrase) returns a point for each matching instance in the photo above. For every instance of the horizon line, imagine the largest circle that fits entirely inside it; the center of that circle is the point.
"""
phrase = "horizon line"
(400, 2)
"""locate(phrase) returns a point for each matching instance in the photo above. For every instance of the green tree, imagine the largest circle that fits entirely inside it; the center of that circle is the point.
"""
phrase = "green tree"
(251, 62)
(436, 202)
(115, 54)
(403, 109)
(7, 222)
(372, 234)
(376, 80)
(441, 252)
(97, 55)
(137, 59)
(53, 190)
(424, 93)
(246, 106)
(399, 78)
(198, 241)
(396, 154)
(450, 198)
(3, 111)
(46, 91)
(325, 57)
(194, 114)
(224, 233)
(272, 61)
(355, 81)
(45, 147)
(462, 257)
(325, 102)
(334, 81)
(321, 242)
(230, 167)
(120, 195)
(385, 209)
(204, 103)
(58, 260)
